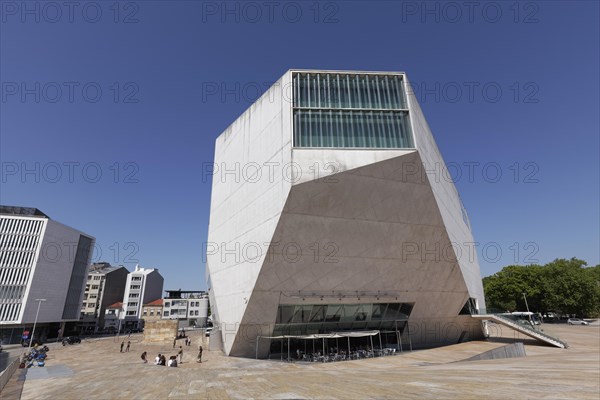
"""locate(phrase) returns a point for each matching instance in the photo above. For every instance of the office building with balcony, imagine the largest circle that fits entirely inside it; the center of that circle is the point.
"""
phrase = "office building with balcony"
(327, 216)
(43, 266)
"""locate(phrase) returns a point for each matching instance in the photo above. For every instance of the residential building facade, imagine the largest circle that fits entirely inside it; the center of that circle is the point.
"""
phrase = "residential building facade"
(152, 311)
(190, 308)
(143, 286)
(112, 316)
(105, 285)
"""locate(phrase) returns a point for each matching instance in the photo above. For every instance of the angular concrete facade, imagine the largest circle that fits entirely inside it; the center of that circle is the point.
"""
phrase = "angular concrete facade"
(350, 228)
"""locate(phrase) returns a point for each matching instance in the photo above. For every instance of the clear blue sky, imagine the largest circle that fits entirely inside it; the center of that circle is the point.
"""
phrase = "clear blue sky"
(533, 68)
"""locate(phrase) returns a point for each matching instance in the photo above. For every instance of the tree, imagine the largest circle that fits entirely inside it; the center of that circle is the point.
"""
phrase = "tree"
(563, 286)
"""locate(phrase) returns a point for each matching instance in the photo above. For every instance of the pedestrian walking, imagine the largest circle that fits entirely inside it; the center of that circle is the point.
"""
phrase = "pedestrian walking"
(180, 354)
(122, 344)
(144, 358)
(174, 342)
(199, 359)
(127, 348)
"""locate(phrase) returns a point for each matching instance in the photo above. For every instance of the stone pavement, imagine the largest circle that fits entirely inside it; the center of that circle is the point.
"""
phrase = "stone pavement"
(99, 371)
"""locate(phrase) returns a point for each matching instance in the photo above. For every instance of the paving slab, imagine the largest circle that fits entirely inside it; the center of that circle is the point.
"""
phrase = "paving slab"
(99, 371)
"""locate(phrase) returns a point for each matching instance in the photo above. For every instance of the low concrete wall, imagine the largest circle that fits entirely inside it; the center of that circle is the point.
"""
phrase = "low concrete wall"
(160, 331)
(6, 374)
(509, 351)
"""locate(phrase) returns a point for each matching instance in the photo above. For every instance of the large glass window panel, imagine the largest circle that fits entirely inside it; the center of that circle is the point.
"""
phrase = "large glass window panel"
(333, 90)
(318, 314)
(378, 311)
(391, 311)
(364, 312)
(352, 129)
(302, 314)
(334, 313)
(349, 312)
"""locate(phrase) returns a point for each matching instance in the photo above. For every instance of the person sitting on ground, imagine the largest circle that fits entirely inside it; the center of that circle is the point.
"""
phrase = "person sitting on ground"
(157, 359)
(144, 359)
(172, 361)
(163, 360)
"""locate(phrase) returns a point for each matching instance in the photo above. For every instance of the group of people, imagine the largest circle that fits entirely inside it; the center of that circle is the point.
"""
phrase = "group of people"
(161, 359)
(187, 342)
(173, 361)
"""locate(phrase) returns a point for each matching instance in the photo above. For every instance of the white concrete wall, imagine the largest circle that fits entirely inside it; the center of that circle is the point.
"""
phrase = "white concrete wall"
(448, 200)
(365, 201)
(245, 208)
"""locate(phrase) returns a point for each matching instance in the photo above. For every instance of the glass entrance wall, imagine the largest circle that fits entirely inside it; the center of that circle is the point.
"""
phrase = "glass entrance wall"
(336, 110)
(326, 318)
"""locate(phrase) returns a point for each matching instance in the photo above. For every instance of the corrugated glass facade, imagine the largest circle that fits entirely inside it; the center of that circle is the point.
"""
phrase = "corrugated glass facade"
(350, 111)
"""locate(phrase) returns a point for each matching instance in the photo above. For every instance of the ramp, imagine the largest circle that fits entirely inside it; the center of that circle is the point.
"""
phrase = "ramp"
(523, 328)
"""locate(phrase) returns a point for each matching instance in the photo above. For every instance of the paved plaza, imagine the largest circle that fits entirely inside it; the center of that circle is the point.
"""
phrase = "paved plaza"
(97, 370)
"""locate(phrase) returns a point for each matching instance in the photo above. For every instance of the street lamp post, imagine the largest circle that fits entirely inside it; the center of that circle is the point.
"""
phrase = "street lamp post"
(120, 316)
(35, 322)
(526, 305)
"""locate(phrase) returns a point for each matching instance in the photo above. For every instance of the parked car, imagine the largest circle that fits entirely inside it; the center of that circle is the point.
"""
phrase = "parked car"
(576, 321)
(71, 340)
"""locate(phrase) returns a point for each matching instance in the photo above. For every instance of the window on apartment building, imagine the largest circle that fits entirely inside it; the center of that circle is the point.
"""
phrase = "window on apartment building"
(167, 304)
(136, 278)
(157, 312)
(130, 312)
(134, 295)
(152, 312)
(166, 314)
(96, 278)
(146, 312)
(93, 296)
(84, 305)
(132, 304)
(95, 286)
(134, 287)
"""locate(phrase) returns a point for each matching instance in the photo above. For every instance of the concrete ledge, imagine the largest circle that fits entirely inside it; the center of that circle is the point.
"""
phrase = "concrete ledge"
(509, 351)
(6, 374)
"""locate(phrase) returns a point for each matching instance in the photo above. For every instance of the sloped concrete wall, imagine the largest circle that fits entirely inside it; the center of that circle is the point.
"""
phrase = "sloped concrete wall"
(508, 351)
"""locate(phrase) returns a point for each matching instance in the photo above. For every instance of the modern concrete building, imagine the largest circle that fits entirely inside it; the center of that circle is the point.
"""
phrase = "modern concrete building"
(190, 308)
(143, 286)
(43, 264)
(105, 285)
(331, 212)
